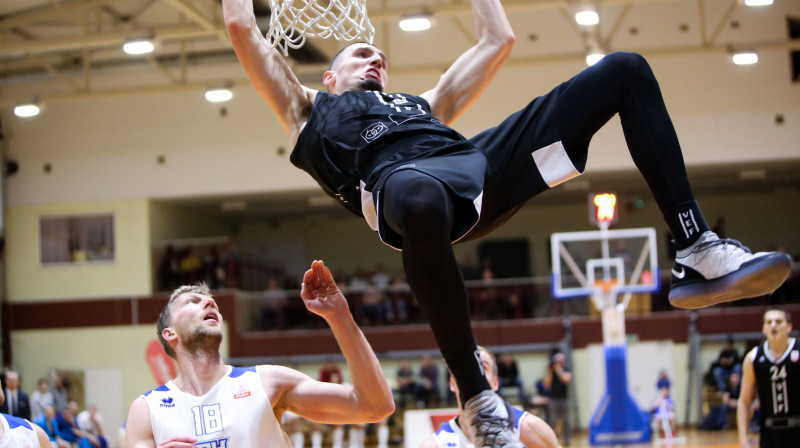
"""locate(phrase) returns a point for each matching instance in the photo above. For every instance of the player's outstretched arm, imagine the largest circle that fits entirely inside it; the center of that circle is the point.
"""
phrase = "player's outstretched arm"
(430, 442)
(469, 76)
(265, 67)
(370, 398)
(44, 440)
(746, 389)
(536, 433)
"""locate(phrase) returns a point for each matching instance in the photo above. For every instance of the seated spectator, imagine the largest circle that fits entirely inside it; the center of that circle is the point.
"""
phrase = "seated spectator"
(727, 363)
(273, 313)
(47, 421)
(664, 411)
(373, 308)
(663, 380)
(67, 425)
(508, 374)
(429, 387)
(91, 423)
(406, 384)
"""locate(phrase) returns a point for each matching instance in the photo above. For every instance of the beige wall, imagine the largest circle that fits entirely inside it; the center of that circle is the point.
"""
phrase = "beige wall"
(128, 275)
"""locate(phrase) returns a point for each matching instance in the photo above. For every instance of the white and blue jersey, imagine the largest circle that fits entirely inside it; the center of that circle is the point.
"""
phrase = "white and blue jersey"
(18, 433)
(450, 434)
(235, 413)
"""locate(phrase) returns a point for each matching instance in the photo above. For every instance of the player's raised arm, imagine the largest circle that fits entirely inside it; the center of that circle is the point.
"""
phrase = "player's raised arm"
(370, 398)
(465, 81)
(266, 68)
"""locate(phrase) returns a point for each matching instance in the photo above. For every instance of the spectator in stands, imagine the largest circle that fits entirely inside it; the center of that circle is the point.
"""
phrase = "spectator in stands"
(326, 372)
(663, 380)
(91, 422)
(213, 274)
(400, 298)
(41, 398)
(67, 425)
(406, 384)
(47, 421)
(508, 374)
(17, 403)
(380, 278)
(556, 380)
(373, 306)
(169, 269)
(60, 393)
(191, 267)
(429, 381)
(727, 363)
(730, 397)
(664, 411)
(273, 310)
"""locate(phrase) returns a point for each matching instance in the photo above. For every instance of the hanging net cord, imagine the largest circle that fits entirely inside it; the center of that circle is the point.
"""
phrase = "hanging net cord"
(289, 25)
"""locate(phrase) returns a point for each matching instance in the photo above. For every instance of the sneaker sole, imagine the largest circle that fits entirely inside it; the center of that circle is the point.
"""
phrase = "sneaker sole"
(760, 278)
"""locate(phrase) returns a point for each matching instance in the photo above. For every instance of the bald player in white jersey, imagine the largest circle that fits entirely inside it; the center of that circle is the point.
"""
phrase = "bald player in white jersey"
(18, 432)
(214, 405)
(532, 431)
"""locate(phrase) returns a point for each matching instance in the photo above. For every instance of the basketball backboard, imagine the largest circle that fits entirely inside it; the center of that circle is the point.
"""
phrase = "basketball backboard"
(587, 263)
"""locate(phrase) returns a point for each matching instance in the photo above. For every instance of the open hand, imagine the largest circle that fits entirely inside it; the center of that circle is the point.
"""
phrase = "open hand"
(320, 293)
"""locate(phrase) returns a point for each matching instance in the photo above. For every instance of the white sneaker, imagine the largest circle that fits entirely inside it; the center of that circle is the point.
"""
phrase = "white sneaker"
(714, 270)
(489, 423)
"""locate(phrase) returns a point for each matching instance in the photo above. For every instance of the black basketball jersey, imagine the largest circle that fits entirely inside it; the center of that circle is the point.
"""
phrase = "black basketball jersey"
(778, 385)
(354, 137)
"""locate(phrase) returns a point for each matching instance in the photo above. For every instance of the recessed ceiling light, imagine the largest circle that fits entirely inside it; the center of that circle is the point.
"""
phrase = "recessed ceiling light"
(415, 23)
(587, 17)
(219, 95)
(26, 110)
(745, 58)
(594, 57)
(138, 46)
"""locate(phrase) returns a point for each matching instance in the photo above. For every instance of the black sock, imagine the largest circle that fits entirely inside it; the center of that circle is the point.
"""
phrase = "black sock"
(686, 223)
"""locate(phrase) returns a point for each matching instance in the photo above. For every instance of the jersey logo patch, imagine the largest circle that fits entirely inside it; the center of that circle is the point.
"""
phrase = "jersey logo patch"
(374, 131)
(241, 392)
(167, 402)
(794, 356)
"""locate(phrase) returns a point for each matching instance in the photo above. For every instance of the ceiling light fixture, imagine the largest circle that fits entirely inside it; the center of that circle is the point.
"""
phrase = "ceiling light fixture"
(594, 57)
(757, 2)
(26, 110)
(745, 58)
(415, 23)
(138, 46)
(219, 94)
(587, 16)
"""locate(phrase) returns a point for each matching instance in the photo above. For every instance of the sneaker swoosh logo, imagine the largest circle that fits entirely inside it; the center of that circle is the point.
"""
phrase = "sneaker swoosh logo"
(680, 274)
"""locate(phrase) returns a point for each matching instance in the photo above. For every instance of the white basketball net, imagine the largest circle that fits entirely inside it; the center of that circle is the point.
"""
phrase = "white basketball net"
(294, 20)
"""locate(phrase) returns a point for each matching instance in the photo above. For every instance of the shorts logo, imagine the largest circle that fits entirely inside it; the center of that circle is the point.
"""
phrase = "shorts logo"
(374, 131)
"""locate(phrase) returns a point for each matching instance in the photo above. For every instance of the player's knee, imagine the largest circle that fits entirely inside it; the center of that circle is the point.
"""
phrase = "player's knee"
(628, 66)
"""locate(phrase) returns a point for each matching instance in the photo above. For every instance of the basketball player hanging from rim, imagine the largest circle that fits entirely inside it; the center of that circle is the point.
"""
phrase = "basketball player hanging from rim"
(392, 159)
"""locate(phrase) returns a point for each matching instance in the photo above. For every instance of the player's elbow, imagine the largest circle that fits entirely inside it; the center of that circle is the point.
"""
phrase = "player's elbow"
(379, 412)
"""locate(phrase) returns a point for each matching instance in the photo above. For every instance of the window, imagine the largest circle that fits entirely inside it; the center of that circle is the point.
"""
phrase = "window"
(76, 239)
